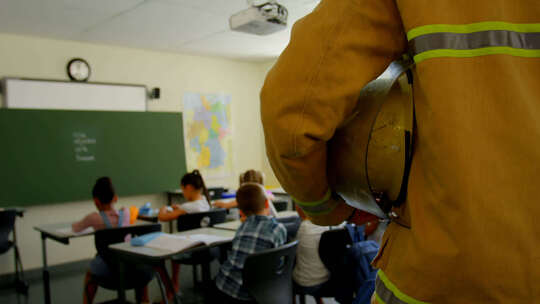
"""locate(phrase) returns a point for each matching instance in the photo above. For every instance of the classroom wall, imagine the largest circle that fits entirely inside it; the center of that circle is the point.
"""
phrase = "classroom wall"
(175, 74)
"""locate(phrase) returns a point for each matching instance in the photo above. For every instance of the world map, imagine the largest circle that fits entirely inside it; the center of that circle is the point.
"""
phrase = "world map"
(207, 133)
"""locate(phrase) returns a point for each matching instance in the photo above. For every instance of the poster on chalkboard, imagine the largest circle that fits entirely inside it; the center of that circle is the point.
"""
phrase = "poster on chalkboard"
(207, 134)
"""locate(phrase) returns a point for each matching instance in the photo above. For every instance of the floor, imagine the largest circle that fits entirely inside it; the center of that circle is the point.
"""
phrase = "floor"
(66, 288)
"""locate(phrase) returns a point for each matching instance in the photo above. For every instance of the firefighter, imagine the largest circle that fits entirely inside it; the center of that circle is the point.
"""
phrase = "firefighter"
(467, 232)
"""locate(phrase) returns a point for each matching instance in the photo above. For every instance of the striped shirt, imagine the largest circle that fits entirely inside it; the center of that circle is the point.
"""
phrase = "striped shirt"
(257, 233)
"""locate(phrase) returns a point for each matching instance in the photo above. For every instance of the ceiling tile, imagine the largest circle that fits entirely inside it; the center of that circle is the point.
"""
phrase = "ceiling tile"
(158, 25)
(220, 7)
(238, 45)
(58, 18)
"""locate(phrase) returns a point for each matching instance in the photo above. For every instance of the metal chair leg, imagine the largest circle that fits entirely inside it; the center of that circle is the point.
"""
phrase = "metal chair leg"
(121, 282)
(162, 288)
(206, 275)
(169, 284)
(195, 281)
(21, 286)
(139, 294)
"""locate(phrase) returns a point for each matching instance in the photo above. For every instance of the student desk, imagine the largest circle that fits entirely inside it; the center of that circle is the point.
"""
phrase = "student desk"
(51, 231)
(233, 226)
(148, 218)
(173, 193)
(157, 257)
(278, 191)
(287, 214)
(282, 195)
(170, 195)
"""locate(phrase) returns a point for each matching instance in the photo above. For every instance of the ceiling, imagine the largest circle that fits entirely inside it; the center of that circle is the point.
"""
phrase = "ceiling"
(185, 26)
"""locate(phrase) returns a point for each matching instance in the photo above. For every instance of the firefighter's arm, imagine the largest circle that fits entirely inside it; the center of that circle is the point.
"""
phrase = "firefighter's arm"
(313, 87)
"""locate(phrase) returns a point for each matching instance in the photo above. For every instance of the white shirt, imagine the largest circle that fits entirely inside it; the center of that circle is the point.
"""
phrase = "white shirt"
(309, 269)
(196, 206)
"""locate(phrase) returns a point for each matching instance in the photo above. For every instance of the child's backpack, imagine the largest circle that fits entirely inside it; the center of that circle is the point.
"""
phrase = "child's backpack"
(359, 256)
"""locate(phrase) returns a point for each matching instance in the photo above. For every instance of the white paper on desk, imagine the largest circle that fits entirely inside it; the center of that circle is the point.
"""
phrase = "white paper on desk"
(173, 243)
(68, 231)
(209, 239)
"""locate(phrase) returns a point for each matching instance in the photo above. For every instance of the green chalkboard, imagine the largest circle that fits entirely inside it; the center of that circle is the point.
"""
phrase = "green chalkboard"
(50, 156)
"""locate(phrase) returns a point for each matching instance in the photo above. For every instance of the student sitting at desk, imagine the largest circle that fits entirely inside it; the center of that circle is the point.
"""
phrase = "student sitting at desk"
(257, 233)
(251, 176)
(309, 274)
(106, 217)
(198, 200)
(196, 195)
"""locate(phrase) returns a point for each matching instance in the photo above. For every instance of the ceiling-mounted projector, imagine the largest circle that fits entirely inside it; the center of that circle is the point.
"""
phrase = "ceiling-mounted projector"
(263, 19)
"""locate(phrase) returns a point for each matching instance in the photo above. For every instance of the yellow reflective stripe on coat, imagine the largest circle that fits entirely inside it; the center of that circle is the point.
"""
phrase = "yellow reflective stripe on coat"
(388, 293)
(475, 39)
(319, 207)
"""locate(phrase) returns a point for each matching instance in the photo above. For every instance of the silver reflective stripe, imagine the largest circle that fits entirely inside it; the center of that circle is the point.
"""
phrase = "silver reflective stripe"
(476, 40)
(385, 294)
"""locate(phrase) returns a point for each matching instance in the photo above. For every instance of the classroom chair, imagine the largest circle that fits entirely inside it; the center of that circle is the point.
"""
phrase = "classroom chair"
(332, 248)
(136, 276)
(202, 257)
(280, 205)
(201, 219)
(292, 224)
(7, 225)
(267, 275)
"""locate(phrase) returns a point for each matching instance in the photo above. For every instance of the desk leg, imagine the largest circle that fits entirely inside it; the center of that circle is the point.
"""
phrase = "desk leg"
(46, 283)
(121, 281)
(169, 285)
(169, 203)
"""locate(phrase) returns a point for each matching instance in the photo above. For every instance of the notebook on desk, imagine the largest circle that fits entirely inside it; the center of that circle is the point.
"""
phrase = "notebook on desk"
(178, 243)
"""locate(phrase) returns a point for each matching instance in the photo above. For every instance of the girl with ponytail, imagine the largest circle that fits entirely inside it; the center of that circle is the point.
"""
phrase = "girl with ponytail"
(196, 195)
(197, 200)
(194, 181)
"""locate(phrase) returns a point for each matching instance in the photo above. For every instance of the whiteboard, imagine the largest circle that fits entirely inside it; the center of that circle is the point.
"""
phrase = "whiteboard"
(65, 95)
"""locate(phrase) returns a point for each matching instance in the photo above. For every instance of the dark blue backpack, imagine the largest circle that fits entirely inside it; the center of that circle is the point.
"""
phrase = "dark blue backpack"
(359, 256)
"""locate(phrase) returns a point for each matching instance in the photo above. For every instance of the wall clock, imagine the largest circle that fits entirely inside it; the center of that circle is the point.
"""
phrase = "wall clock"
(78, 69)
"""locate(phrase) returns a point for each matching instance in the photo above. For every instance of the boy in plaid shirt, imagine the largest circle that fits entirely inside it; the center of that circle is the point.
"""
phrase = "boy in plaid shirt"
(257, 233)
